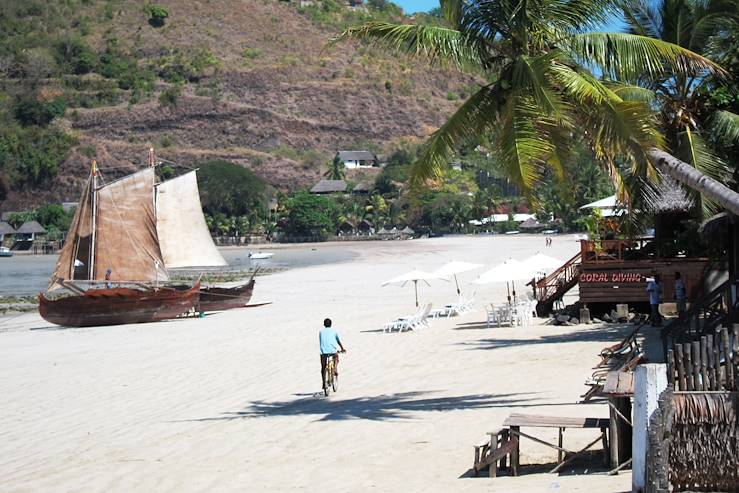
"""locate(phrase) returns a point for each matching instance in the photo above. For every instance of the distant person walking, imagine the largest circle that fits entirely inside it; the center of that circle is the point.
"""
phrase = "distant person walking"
(654, 288)
(680, 294)
(329, 342)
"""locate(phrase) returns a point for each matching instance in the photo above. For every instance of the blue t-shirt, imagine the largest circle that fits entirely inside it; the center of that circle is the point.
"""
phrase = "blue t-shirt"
(328, 340)
(680, 293)
(655, 292)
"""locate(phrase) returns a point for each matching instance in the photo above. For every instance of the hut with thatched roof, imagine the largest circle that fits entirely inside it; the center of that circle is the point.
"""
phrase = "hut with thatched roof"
(329, 186)
(347, 228)
(5, 229)
(363, 188)
(29, 230)
(364, 226)
(531, 224)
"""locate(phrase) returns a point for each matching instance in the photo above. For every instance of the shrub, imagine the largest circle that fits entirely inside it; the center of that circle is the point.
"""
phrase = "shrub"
(170, 97)
(29, 156)
(310, 215)
(157, 14)
(29, 110)
(74, 56)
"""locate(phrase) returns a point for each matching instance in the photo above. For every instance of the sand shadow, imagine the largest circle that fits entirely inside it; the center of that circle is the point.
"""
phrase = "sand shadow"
(590, 462)
(375, 408)
(588, 333)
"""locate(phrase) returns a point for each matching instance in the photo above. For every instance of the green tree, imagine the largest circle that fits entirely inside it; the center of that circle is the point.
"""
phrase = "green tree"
(336, 170)
(230, 189)
(683, 116)
(310, 215)
(157, 14)
(536, 56)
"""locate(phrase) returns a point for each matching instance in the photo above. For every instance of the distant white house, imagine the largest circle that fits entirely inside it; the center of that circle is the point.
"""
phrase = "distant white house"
(358, 159)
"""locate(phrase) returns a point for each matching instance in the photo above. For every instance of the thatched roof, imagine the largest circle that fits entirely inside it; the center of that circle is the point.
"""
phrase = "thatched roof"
(667, 196)
(31, 227)
(347, 226)
(408, 231)
(6, 229)
(364, 225)
(329, 186)
(357, 156)
(531, 223)
(363, 187)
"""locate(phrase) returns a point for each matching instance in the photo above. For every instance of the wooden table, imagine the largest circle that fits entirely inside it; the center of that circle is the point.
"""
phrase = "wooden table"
(516, 421)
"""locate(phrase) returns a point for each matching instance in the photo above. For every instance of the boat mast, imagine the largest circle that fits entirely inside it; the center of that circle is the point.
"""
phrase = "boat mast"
(91, 265)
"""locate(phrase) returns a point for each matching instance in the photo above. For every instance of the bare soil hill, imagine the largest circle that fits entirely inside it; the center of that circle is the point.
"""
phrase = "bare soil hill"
(279, 100)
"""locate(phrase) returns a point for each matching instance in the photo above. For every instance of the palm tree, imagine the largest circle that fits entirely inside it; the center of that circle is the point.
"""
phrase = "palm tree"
(537, 56)
(336, 170)
(693, 25)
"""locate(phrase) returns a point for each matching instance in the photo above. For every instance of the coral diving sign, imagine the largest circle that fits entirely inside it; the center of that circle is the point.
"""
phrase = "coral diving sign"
(623, 277)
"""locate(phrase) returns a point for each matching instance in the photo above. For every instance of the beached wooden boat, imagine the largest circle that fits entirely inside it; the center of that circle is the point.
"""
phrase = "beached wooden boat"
(214, 298)
(118, 305)
(113, 243)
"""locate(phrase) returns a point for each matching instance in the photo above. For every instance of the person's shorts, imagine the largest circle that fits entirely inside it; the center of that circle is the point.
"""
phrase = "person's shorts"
(324, 358)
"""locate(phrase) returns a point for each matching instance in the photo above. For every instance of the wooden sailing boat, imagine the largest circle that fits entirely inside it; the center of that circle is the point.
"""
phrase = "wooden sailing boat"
(186, 243)
(114, 229)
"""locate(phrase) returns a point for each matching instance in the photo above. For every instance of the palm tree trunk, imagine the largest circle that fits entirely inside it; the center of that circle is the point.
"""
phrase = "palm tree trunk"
(692, 178)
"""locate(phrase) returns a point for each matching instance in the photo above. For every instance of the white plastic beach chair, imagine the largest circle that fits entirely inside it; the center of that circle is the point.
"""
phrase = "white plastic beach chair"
(417, 320)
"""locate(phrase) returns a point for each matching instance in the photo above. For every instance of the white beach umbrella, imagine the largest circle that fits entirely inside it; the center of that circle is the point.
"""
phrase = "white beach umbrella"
(542, 263)
(412, 276)
(451, 269)
(509, 271)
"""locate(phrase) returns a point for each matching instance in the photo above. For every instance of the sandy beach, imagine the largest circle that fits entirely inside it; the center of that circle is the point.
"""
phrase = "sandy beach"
(231, 402)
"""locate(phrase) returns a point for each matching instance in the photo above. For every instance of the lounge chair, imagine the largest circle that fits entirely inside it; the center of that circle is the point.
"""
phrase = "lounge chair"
(411, 322)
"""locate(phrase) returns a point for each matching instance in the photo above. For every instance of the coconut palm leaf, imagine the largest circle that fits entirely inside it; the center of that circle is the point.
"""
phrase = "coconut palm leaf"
(627, 56)
(523, 148)
(438, 44)
(643, 18)
(633, 93)
(467, 124)
(726, 125)
(701, 157)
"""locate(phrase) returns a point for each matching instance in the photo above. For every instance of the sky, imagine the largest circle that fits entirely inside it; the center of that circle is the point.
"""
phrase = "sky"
(411, 6)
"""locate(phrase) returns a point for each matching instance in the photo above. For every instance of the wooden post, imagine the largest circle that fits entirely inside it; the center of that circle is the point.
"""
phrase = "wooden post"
(728, 367)
(516, 452)
(688, 366)
(717, 368)
(670, 368)
(696, 355)
(704, 364)
(650, 381)
(711, 363)
(560, 454)
(613, 429)
(680, 364)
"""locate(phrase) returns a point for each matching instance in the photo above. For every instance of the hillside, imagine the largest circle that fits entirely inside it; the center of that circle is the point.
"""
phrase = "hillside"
(251, 81)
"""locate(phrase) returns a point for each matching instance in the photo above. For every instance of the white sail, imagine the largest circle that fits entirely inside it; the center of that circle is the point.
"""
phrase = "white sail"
(183, 235)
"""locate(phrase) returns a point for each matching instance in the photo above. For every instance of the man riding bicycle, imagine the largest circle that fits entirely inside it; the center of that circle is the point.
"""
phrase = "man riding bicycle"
(329, 343)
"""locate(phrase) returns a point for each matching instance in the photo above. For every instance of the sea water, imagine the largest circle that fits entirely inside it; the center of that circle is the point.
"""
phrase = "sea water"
(22, 275)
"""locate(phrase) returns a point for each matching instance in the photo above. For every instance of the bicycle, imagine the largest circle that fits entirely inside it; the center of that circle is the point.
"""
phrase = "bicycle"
(330, 376)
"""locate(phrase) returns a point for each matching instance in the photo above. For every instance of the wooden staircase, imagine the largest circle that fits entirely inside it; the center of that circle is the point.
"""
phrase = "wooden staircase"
(556, 284)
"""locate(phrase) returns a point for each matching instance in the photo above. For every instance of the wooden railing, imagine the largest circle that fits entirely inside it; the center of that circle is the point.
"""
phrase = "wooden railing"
(557, 283)
(710, 363)
(616, 250)
(706, 314)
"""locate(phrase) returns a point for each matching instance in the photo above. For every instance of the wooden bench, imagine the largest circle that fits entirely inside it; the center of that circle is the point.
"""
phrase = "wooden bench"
(515, 422)
(494, 453)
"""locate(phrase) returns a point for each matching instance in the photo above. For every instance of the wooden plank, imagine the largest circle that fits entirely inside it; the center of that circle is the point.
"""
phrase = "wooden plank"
(717, 368)
(670, 367)
(538, 421)
(680, 364)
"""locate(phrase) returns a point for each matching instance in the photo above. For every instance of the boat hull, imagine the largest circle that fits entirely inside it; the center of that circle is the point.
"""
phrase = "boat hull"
(115, 306)
(215, 299)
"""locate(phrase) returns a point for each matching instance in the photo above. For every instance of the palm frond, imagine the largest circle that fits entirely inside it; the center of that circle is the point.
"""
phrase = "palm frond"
(707, 163)
(642, 18)
(468, 123)
(529, 74)
(581, 86)
(707, 27)
(726, 125)
(632, 93)
(438, 44)
(522, 148)
(580, 15)
(627, 56)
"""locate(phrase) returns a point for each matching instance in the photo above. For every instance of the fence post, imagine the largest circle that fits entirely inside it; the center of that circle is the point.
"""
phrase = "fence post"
(650, 381)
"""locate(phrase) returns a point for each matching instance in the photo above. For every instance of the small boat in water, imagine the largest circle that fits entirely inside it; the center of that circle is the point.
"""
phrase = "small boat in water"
(6, 252)
(260, 255)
